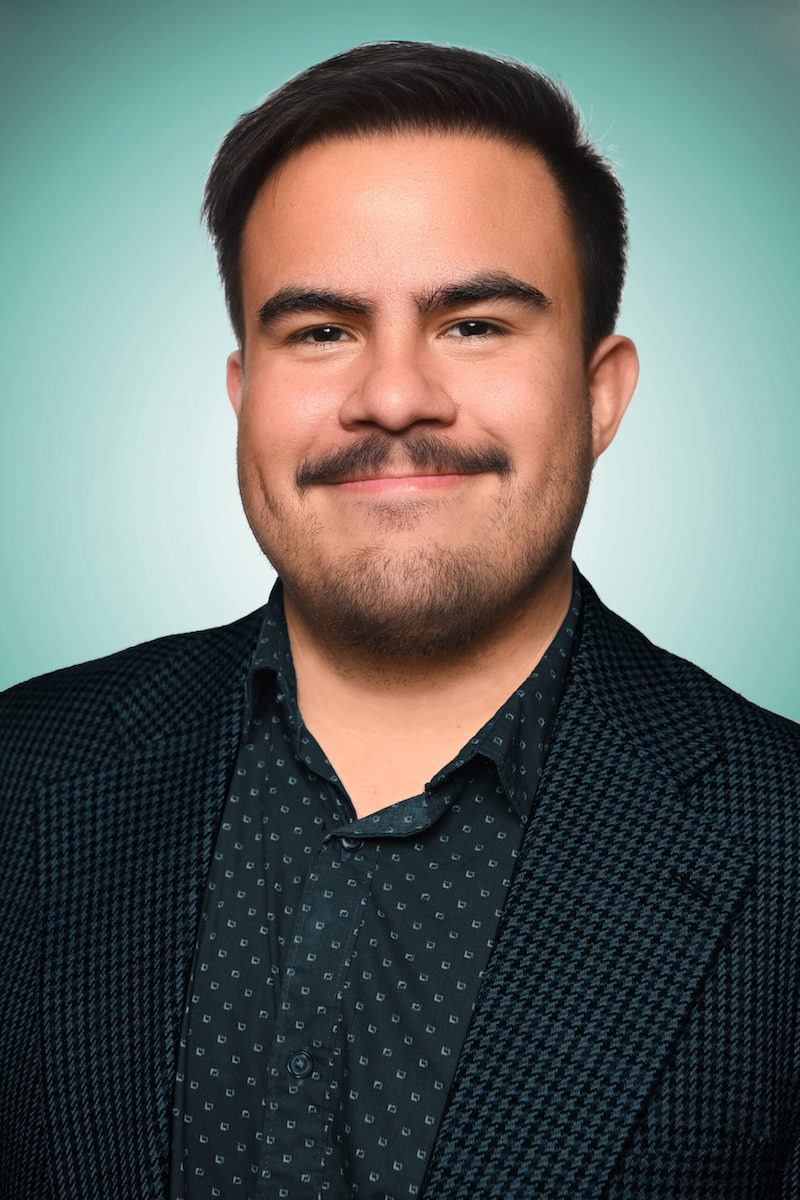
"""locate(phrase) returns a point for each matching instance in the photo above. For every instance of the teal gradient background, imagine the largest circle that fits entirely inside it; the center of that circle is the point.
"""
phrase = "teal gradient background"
(120, 517)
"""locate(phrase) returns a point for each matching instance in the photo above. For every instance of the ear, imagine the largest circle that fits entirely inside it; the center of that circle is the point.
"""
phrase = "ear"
(234, 379)
(612, 373)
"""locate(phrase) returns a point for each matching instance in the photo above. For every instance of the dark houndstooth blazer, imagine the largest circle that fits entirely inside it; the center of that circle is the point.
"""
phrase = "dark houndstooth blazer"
(635, 1035)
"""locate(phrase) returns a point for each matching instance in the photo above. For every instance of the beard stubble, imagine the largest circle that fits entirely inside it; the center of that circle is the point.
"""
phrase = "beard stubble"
(430, 599)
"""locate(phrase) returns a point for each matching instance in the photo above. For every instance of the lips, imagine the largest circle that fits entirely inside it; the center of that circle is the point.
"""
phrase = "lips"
(406, 473)
(404, 482)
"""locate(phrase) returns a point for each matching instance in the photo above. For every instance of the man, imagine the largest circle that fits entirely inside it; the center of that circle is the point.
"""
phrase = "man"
(433, 877)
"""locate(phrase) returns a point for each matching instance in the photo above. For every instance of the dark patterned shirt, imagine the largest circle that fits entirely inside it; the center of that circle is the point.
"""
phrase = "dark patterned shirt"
(338, 959)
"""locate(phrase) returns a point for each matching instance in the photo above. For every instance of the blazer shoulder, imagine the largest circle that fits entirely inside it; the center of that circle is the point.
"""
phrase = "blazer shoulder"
(760, 749)
(64, 719)
(668, 701)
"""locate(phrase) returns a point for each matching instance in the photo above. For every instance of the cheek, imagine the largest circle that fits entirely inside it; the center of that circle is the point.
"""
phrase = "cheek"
(259, 452)
(267, 426)
(536, 413)
(286, 409)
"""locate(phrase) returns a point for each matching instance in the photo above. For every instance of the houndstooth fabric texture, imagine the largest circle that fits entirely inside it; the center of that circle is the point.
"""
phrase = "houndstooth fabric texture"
(112, 778)
(635, 1037)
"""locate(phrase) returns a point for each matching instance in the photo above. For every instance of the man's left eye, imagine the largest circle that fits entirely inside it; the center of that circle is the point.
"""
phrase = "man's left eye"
(472, 329)
(322, 334)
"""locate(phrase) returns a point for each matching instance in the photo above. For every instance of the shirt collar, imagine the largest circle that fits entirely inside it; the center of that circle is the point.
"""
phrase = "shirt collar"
(514, 739)
(273, 653)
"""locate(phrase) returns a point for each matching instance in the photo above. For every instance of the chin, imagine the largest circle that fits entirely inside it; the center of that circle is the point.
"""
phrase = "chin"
(417, 604)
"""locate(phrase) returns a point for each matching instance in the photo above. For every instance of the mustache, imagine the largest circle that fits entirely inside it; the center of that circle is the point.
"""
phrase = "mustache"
(421, 450)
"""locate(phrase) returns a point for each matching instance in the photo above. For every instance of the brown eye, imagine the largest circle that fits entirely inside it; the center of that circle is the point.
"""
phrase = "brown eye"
(325, 333)
(473, 329)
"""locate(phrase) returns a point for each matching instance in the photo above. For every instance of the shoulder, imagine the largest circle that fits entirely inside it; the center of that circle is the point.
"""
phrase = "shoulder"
(677, 704)
(66, 717)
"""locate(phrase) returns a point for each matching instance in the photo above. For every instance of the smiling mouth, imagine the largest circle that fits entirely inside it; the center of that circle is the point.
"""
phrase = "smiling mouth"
(410, 481)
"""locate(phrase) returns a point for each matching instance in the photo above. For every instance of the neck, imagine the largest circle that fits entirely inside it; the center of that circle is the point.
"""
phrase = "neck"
(388, 727)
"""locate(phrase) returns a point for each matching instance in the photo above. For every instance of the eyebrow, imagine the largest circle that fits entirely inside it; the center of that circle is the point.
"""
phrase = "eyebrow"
(299, 299)
(493, 285)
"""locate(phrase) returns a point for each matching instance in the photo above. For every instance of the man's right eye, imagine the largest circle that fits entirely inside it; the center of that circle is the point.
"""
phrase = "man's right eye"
(320, 334)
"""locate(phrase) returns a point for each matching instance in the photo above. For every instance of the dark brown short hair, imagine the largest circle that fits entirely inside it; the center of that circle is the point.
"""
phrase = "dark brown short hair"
(388, 87)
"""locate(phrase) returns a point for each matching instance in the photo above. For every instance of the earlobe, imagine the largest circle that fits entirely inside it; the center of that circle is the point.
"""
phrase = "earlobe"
(233, 380)
(612, 374)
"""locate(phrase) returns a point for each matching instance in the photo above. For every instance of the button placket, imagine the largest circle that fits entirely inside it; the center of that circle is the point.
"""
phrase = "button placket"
(330, 914)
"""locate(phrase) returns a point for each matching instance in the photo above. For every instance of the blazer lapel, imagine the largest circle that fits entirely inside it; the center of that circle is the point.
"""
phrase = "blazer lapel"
(124, 854)
(623, 892)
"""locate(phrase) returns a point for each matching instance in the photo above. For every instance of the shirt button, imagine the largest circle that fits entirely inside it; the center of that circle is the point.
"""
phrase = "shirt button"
(352, 844)
(301, 1064)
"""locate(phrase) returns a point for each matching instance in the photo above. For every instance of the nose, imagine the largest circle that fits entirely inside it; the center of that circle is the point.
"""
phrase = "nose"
(397, 388)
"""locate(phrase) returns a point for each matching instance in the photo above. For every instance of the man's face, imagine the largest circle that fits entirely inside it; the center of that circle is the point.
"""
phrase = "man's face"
(415, 429)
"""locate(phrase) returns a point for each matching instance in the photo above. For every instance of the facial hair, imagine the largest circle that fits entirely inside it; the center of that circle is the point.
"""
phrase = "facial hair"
(432, 599)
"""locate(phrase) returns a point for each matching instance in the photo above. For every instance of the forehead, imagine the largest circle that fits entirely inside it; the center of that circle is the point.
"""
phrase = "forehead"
(409, 210)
